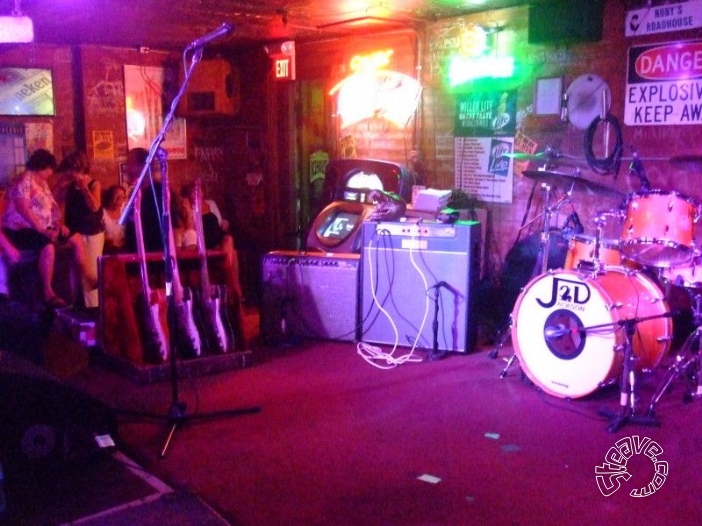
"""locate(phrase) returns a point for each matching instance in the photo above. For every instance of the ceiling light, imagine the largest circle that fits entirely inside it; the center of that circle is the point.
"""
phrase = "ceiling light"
(16, 28)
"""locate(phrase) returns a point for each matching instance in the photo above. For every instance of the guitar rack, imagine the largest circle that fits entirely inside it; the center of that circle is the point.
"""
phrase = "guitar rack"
(120, 327)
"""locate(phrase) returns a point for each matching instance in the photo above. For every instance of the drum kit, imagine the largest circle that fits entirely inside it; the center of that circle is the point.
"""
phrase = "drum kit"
(604, 317)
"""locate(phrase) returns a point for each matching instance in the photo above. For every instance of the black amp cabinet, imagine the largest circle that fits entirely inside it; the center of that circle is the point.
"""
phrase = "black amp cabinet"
(420, 275)
(308, 295)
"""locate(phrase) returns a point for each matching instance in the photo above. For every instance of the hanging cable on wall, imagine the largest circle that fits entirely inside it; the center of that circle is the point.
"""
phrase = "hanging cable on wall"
(612, 162)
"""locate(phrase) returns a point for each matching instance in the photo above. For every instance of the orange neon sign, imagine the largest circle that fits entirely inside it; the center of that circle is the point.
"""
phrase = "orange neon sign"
(371, 61)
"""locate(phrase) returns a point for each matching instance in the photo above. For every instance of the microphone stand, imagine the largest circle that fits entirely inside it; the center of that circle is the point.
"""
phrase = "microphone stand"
(176, 415)
(627, 385)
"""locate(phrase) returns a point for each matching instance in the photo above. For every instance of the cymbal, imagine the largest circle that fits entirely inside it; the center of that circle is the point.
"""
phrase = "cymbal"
(520, 156)
(574, 182)
(550, 156)
(690, 163)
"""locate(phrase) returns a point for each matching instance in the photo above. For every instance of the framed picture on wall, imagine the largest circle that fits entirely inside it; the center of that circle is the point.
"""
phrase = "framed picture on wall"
(26, 91)
(547, 96)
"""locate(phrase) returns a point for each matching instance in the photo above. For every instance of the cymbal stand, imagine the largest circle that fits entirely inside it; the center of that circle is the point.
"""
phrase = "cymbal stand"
(540, 266)
(627, 385)
(687, 361)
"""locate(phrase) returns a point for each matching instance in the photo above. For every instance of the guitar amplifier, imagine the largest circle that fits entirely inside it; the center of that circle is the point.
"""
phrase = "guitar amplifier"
(308, 295)
(416, 276)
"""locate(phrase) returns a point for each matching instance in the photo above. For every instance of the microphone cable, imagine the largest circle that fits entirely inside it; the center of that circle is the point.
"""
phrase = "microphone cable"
(612, 162)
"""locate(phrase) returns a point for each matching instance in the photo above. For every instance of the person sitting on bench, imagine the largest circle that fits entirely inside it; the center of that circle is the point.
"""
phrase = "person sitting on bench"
(31, 222)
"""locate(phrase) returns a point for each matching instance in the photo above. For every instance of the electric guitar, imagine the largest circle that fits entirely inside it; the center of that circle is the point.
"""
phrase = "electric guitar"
(188, 340)
(155, 322)
(213, 298)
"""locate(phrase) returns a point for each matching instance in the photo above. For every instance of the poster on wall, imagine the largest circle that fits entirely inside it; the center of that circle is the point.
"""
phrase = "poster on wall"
(145, 96)
(483, 134)
(39, 135)
(662, 17)
(664, 84)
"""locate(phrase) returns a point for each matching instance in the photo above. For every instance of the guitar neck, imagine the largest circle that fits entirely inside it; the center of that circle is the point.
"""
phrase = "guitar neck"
(146, 289)
(176, 284)
(199, 229)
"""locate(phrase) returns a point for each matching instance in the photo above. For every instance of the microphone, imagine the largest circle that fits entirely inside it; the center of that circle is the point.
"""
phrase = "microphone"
(553, 333)
(222, 31)
(448, 287)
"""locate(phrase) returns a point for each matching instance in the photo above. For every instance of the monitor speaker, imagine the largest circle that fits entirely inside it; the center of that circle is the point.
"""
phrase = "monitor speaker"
(417, 284)
(44, 421)
(566, 21)
(308, 296)
(213, 90)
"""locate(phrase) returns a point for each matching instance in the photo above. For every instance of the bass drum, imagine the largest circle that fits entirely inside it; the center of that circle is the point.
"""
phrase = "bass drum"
(566, 329)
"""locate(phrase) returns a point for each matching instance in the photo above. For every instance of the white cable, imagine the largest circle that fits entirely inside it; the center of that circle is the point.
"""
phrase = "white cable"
(375, 355)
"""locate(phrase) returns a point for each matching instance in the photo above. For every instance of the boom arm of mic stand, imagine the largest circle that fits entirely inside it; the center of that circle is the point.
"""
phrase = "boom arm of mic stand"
(161, 136)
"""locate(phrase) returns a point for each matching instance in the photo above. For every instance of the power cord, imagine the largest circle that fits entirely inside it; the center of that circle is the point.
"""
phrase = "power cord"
(611, 163)
(374, 355)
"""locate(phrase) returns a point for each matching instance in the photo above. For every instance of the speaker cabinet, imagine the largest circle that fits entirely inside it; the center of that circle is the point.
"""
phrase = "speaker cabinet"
(309, 296)
(44, 421)
(560, 21)
(420, 277)
(213, 90)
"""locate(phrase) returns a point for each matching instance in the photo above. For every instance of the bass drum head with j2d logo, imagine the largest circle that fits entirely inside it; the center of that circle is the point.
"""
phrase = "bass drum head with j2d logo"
(567, 329)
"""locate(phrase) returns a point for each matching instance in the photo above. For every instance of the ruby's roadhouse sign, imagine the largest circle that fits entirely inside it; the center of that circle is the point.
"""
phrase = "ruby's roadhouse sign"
(664, 84)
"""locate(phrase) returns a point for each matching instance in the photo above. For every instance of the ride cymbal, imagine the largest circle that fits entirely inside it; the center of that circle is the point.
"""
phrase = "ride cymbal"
(575, 183)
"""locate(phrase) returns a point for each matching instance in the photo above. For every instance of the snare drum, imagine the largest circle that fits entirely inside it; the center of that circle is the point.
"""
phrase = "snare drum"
(582, 248)
(659, 228)
(567, 332)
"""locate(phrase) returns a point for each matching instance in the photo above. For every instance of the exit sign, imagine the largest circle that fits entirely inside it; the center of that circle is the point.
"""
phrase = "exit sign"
(284, 68)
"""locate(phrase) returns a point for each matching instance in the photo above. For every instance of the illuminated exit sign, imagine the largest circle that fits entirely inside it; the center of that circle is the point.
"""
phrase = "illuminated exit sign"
(283, 68)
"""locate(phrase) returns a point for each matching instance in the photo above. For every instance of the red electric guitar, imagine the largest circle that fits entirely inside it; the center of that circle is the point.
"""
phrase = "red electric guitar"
(154, 319)
(213, 298)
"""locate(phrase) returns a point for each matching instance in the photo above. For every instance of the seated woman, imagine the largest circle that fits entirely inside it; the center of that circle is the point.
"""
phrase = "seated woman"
(32, 222)
(113, 206)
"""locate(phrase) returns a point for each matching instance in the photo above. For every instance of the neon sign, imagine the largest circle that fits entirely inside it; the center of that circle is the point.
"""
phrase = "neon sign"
(373, 61)
(374, 92)
(474, 60)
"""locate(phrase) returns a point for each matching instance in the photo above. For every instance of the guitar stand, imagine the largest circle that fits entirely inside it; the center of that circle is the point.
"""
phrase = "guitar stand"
(176, 417)
(686, 361)
(627, 386)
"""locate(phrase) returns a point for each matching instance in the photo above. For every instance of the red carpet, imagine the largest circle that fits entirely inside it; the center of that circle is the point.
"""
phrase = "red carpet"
(341, 442)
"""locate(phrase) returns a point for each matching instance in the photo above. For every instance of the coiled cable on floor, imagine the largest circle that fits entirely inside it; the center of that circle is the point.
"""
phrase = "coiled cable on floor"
(612, 162)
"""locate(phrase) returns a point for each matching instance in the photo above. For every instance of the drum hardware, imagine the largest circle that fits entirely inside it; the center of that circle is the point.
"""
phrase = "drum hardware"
(540, 266)
(636, 168)
(627, 386)
(687, 361)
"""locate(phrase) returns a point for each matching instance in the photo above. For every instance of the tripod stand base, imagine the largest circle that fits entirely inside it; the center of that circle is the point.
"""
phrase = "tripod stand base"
(626, 417)
(177, 418)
